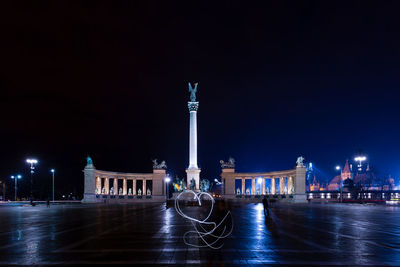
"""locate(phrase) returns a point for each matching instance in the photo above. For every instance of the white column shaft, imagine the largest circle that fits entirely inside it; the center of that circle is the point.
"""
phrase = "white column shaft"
(193, 140)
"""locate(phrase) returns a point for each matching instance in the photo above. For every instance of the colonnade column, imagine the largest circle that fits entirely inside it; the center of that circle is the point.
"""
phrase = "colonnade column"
(243, 189)
(273, 186)
(253, 186)
(134, 187)
(106, 185)
(98, 185)
(290, 185)
(263, 186)
(124, 187)
(115, 186)
(281, 185)
(144, 188)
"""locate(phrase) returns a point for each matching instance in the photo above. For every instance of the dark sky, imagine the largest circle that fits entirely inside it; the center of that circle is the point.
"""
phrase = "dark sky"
(276, 79)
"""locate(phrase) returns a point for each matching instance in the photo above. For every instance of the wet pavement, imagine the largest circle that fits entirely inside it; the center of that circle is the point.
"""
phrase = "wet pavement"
(309, 234)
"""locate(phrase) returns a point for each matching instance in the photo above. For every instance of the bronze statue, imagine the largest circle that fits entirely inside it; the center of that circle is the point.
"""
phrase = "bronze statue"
(193, 92)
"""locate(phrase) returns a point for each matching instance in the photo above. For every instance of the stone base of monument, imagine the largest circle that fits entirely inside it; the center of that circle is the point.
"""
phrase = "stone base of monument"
(300, 198)
(89, 198)
(188, 199)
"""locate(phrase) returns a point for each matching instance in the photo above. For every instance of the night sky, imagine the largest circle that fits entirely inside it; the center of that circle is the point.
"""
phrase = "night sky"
(276, 80)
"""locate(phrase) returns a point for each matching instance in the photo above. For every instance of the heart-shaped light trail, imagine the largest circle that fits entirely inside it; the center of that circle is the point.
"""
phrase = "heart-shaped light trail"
(198, 224)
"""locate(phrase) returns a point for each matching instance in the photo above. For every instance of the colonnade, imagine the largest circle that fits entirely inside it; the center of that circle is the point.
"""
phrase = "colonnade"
(138, 186)
(264, 185)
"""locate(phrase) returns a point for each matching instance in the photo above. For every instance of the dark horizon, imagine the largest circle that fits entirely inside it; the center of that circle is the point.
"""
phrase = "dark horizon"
(276, 81)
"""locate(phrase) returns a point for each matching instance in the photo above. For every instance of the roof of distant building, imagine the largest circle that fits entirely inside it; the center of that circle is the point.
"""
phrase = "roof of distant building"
(346, 167)
(335, 180)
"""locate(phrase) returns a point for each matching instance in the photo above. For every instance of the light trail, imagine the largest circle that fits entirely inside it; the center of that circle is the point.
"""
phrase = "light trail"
(198, 224)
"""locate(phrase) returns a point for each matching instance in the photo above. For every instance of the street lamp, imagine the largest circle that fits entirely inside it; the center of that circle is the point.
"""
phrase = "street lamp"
(32, 162)
(360, 159)
(341, 183)
(53, 171)
(16, 177)
(167, 180)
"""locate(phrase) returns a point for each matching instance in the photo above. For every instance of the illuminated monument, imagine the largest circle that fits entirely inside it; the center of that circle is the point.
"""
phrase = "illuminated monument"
(287, 185)
(193, 171)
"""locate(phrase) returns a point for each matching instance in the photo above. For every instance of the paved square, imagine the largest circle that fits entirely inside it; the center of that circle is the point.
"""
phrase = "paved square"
(314, 234)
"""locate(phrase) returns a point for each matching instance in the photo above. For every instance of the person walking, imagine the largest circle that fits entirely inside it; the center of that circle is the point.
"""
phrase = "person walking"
(265, 203)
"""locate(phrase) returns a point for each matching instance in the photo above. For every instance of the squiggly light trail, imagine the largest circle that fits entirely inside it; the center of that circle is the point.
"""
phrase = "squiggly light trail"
(203, 233)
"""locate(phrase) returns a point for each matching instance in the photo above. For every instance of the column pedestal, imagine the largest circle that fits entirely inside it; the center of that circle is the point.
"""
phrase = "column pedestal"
(193, 174)
(300, 185)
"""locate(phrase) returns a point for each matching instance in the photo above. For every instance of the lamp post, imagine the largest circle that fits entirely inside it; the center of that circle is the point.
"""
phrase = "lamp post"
(341, 183)
(167, 180)
(360, 159)
(16, 177)
(53, 171)
(32, 163)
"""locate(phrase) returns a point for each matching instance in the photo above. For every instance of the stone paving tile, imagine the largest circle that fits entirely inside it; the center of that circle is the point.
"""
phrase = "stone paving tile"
(151, 234)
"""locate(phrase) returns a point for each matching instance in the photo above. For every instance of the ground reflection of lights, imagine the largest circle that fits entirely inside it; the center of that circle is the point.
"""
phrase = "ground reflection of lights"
(199, 225)
(167, 220)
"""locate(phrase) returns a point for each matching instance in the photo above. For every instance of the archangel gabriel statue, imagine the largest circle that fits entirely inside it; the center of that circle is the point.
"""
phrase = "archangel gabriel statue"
(193, 92)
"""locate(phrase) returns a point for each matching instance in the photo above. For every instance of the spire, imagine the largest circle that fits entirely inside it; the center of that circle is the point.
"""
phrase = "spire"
(346, 167)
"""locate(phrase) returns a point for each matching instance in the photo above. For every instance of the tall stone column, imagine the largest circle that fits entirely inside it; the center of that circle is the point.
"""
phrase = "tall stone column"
(193, 171)
(107, 185)
(144, 188)
(134, 186)
(243, 187)
(253, 186)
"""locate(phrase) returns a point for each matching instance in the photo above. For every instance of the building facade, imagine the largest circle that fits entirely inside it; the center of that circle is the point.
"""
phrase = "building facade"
(106, 186)
(285, 183)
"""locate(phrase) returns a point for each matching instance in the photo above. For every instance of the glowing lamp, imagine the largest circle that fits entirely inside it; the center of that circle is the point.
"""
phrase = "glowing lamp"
(360, 159)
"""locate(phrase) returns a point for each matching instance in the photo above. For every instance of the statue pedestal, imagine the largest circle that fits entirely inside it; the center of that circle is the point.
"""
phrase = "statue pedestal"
(193, 174)
(300, 198)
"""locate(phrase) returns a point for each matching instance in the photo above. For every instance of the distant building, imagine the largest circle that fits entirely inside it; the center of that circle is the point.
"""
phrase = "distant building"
(345, 173)
(364, 180)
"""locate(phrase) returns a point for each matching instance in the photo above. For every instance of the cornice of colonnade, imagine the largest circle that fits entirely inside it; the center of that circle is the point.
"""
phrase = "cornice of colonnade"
(122, 174)
(282, 173)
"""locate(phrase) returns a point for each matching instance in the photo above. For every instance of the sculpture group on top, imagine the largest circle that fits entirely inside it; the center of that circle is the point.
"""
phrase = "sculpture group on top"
(300, 162)
(229, 164)
(180, 185)
(160, 166)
